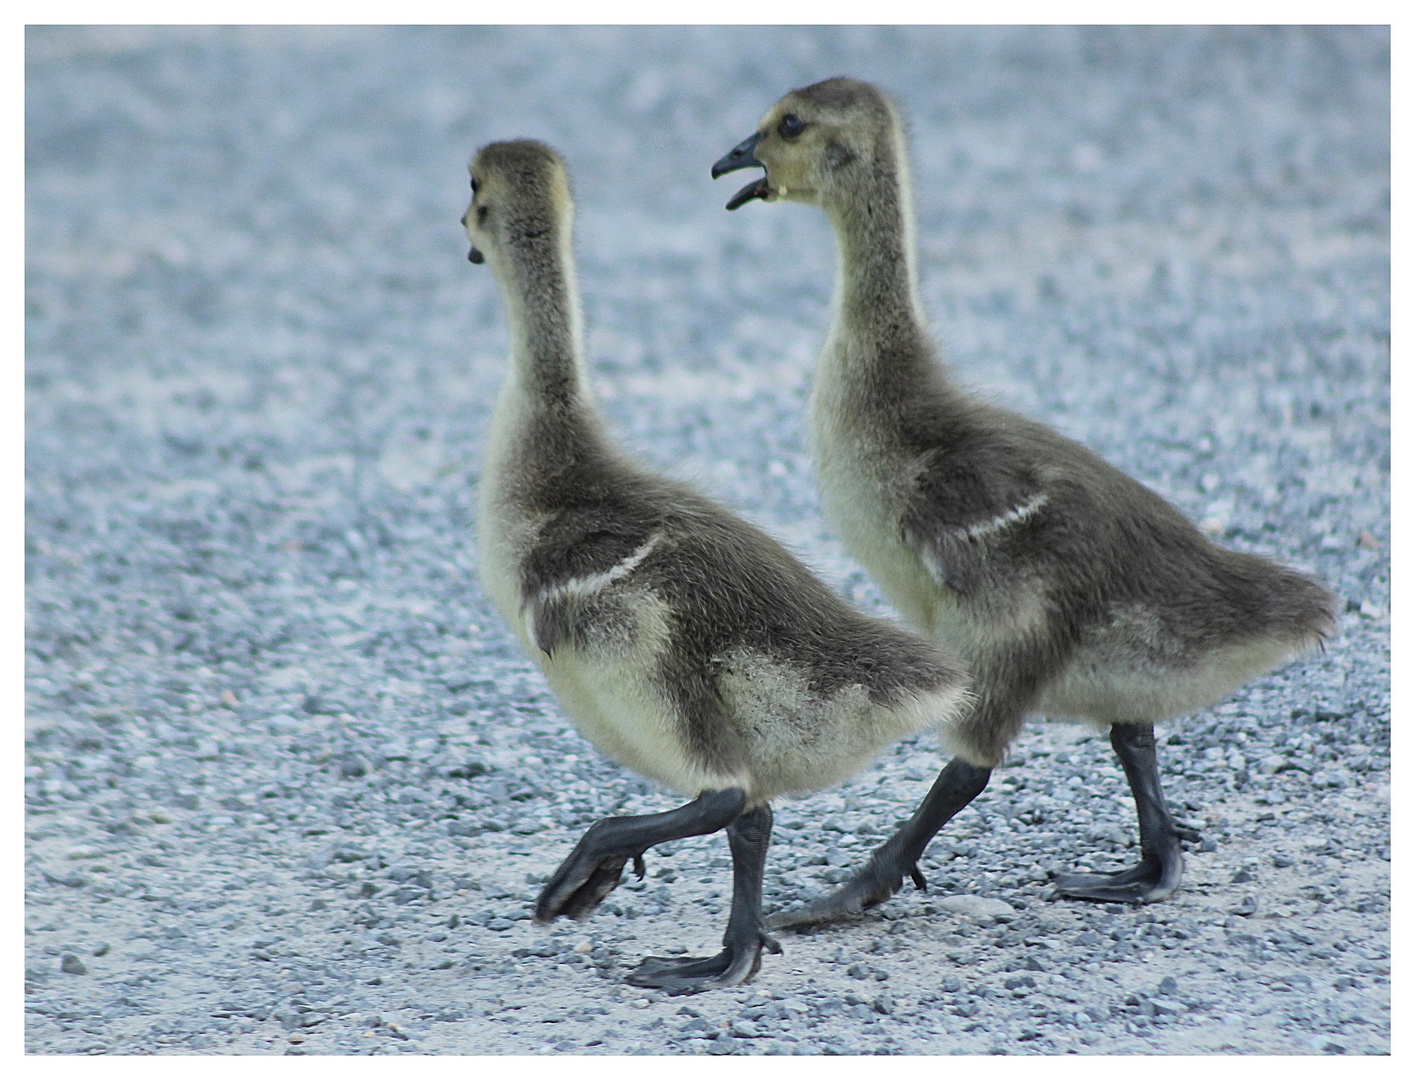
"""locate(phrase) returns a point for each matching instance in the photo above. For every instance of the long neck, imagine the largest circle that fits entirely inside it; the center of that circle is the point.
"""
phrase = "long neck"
(879, 328)
(543, 305)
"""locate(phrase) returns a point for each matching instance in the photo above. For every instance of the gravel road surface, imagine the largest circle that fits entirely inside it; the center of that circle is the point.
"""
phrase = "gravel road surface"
(292, 787)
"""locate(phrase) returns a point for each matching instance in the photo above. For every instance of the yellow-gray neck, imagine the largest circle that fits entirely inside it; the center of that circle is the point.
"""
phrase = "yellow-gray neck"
(543, 306)
(877, 290)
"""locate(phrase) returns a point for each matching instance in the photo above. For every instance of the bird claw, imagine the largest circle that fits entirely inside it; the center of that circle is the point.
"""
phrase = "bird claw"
(639, 866)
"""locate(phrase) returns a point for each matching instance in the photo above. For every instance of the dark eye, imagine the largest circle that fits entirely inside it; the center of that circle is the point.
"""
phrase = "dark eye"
(474, 185)
(791, 126)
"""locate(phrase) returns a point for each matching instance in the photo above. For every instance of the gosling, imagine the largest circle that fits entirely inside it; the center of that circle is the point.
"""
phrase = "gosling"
(1068, 588)
(686, 644)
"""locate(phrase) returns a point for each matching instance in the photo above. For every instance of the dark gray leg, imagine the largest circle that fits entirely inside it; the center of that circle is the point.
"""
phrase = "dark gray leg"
(1161, 864)
(957, 785)
(746, 933)
(593, 869)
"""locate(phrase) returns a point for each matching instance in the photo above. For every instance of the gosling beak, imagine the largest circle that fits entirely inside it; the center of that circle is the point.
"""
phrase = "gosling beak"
(473, 256)
(743, 156)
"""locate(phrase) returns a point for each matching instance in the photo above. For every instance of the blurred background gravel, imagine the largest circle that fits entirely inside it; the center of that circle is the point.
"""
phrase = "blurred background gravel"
(291, 786)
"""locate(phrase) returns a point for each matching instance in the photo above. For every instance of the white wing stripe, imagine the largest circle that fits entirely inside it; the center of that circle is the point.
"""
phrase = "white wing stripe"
(593, 583)
(1002, 521)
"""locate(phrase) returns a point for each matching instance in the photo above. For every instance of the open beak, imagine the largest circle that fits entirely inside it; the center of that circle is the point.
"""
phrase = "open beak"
(743, 156)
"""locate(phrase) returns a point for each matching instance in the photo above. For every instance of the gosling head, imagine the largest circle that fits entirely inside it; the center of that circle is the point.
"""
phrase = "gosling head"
(521, 202)
(818, 145)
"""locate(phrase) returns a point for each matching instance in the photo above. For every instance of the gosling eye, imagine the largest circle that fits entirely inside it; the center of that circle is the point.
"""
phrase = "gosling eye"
(474, 185)
(791, 126)
(481, 215)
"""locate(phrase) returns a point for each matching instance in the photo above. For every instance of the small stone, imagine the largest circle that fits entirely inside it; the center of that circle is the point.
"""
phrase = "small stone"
(72, 965)
(1325, 1044)
(1169, 986)
(1367, 541)
(977, 907)
(723, 1044)
(1247, 906)
(583, 946)
(744, 1029)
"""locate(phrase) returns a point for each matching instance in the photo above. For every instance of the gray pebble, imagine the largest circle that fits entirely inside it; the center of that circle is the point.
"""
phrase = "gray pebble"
(978, 907)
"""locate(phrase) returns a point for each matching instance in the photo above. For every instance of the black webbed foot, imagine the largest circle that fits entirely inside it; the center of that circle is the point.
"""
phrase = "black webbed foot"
(957, 785)
(735, 964)
(746, 934)
(1161, 865)
(1149, 880)
(579, 885)
(594, 868)
(875, 884)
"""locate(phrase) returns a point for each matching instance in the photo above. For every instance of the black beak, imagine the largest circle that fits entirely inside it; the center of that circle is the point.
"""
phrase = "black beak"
(475, 256)
(743, 156)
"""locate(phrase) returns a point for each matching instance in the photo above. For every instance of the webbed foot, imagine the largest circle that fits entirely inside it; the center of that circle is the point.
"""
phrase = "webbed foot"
(1161, 865)
(735, 964)
(746, 934)
(957, 785)
(579, 885)
(1153, 878)
(593, 870)
(875, 884)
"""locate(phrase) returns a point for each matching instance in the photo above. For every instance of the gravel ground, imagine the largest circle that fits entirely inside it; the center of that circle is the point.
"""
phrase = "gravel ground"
(291, 785)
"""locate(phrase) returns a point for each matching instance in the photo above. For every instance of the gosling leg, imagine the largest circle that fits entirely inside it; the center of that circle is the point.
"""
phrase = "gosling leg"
(592, 870)
(746, 934)
(1161, 866)
(957, 785)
